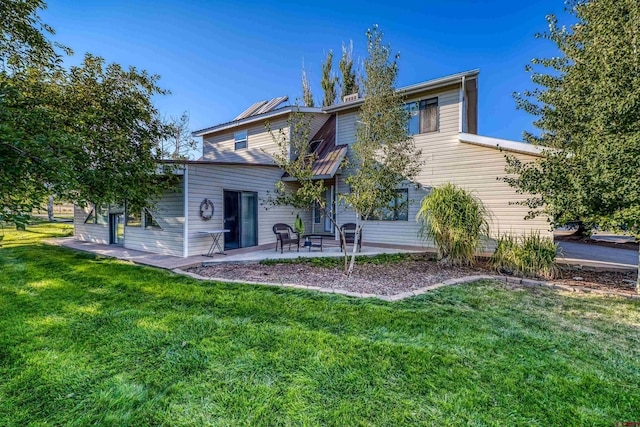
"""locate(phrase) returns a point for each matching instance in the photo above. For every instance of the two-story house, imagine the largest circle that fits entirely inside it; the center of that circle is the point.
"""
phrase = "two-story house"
(236, 172)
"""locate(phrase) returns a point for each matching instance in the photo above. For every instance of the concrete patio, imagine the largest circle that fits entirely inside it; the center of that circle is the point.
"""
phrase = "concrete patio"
(573, 254)
(238, 256)
(329, 250)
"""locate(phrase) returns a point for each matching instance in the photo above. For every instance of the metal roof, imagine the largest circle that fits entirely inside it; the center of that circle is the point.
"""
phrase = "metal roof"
(329, 155)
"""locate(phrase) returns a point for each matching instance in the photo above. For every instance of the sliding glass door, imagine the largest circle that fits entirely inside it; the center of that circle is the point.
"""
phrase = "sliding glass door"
(241, 219)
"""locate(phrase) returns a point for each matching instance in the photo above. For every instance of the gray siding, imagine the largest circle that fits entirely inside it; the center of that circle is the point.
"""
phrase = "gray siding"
(446, 159)
(210, 181)
(169, 212)
(96, 233)
(317, 120)
(346, 127)
(221, 146)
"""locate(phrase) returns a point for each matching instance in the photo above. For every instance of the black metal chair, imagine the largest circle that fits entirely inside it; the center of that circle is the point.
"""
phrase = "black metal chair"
(285, 234)
(349, 231)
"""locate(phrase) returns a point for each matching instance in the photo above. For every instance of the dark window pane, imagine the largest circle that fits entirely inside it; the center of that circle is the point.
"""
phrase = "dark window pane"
(402, 205)
(429, 115)
(150, 221)
(134, 219)
(91, 215)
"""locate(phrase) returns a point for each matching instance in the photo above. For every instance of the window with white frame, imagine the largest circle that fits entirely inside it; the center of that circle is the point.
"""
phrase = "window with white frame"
(240, 139)
(424, 116)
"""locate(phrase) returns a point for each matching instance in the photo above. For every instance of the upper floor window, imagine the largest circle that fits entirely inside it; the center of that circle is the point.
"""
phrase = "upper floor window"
(424, 116)
(240, 139)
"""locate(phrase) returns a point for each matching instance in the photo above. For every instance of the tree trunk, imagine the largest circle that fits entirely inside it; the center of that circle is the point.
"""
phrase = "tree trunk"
(355, 247)
(50, 215)
(582, 232)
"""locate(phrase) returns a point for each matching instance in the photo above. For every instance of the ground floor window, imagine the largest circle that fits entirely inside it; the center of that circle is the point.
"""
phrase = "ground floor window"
(398, 209)
(97, 214)
(150, 221)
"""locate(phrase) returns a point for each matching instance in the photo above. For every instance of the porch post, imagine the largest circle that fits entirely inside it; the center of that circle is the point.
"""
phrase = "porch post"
(185, 230)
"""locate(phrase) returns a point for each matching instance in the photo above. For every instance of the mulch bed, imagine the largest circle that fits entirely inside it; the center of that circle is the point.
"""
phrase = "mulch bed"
(614, 281)
(396, 277)
(381, 279)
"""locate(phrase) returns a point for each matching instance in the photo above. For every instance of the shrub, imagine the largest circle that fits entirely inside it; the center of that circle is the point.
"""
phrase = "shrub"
(456, 221)
(527, 255)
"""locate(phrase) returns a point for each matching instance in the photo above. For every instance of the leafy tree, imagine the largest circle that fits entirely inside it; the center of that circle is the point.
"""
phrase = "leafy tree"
(349, 82)
(383, 156)
(181, 143)
(116, 129)
(329, 81)
(307, 96)
(293, 157)
(87, 134)
(23, 37)
(587, 104)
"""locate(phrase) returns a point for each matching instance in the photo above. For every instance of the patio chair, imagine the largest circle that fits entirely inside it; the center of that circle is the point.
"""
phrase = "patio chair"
(285, 234)
(349, 231)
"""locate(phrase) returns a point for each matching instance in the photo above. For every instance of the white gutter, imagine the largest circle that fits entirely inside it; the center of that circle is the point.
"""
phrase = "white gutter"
(185, 231)
(501, 144)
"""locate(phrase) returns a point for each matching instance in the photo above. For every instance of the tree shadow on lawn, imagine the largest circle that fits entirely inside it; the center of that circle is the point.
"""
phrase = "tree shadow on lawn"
(98, 340)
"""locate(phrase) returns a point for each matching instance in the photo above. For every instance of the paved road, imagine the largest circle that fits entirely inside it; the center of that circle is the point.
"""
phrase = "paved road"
(599, 255)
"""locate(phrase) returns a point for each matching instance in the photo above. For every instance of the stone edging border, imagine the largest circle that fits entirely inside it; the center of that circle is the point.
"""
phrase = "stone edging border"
(409, 294)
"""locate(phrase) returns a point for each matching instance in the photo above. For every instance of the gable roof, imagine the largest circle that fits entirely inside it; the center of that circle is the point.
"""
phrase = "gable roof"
(329, 155)
(287, 109)
(411, 89)
(263, 110)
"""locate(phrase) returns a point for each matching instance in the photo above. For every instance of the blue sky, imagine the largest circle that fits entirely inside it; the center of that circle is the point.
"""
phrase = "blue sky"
(217, 58)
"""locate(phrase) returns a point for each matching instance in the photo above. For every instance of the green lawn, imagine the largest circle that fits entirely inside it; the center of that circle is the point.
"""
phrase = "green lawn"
(92, 341)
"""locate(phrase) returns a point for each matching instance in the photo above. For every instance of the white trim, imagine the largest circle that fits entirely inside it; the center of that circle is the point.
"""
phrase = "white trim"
(185, 181)
(500, 144)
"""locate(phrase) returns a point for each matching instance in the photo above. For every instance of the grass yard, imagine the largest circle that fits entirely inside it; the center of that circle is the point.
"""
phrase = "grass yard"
(93, 341)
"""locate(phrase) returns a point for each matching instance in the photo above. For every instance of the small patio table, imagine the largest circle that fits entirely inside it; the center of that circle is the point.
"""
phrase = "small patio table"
(313, 241)
(215, 236)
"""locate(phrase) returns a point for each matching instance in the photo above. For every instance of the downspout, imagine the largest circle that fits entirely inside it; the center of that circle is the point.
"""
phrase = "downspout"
(336, 235)
(185, 231)
(462, 115)
(335, 186)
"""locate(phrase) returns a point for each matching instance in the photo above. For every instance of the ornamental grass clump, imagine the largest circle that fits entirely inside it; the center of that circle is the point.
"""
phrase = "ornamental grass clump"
(527, 255)
(455, 220)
